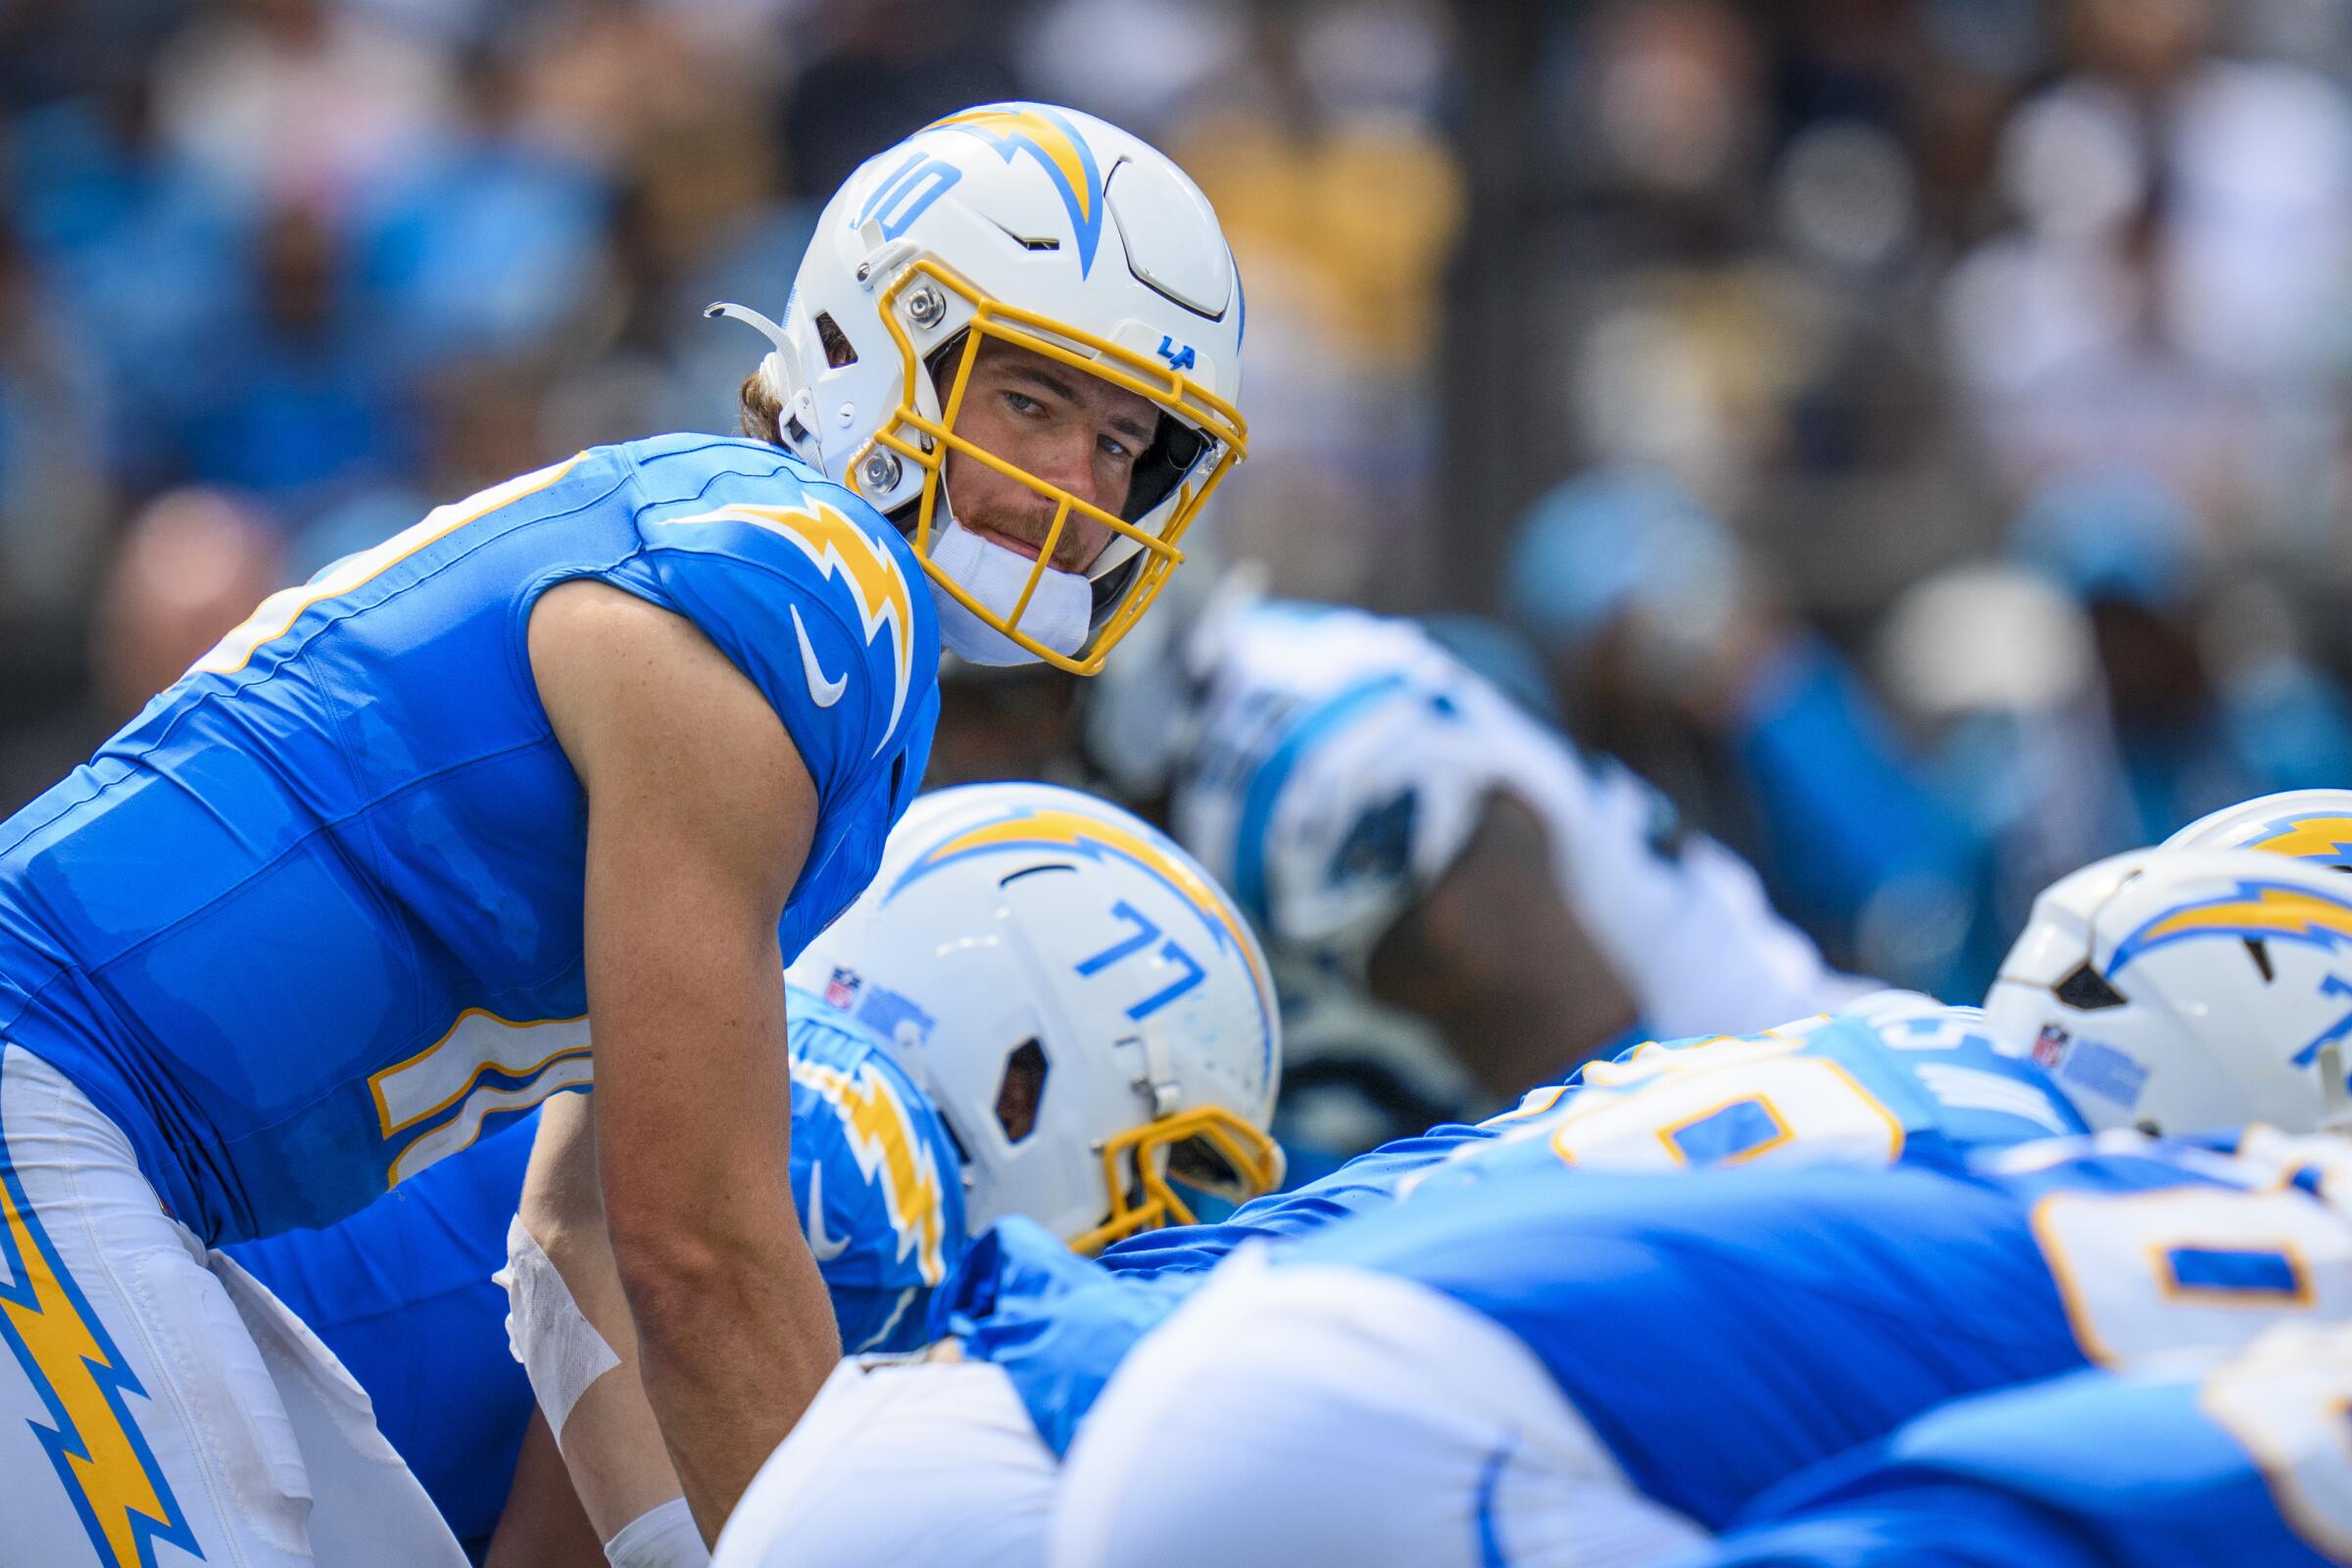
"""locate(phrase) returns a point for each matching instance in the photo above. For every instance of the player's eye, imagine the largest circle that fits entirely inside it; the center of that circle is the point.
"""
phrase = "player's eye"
(1114, 447)
(1022, 403)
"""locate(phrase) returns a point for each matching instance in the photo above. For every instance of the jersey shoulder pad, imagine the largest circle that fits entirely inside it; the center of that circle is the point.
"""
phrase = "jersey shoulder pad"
(804, 587)
(873, 1168)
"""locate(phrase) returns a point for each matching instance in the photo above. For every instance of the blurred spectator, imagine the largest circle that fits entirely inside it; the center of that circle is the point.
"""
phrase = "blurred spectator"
(138, 246)
(302, 101)
(1317, 144)
(191, 566)
(52, 489)
(884, 70)
(291, 397)
(487, 242)
(2195, 732)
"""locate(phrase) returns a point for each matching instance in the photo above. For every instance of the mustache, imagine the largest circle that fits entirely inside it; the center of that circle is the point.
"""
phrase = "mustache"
(1071, 552)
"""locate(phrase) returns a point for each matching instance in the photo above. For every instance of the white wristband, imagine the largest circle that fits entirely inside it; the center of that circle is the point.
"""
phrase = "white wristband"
(547, 1331)
(659, 1538)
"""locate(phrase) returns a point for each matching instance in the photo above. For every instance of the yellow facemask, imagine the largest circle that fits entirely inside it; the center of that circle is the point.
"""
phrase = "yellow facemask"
(1135, 1169)
(926, 442)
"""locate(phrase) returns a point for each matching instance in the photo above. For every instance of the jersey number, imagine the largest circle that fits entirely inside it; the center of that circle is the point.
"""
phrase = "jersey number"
(2200, 1266)
(1740, 1108)
(528, 1063)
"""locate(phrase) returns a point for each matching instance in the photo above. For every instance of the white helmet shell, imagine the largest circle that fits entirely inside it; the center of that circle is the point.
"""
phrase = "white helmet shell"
(1047, 228)
(2309, 824)
(1026, 929)
(2189, 989)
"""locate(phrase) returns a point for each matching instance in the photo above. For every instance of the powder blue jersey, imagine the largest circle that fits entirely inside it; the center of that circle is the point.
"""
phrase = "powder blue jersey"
(2179, 1462)
(1900, 1078)
(1721, 1330)
(401, 1292)
(1897, 1079)
(313, 918)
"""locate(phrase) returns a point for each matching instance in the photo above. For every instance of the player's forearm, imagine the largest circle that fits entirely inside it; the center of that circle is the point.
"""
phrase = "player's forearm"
(734, 1339)
(734, 1328)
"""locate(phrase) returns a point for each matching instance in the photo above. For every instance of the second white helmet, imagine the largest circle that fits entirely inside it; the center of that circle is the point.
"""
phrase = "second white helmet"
(2308, 824)
(1087, 1008)
(2186, 989)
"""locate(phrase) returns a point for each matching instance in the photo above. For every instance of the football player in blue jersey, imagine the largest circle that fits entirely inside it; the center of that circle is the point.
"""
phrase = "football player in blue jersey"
(1554, 1365)
(1900, 1079)
(2180, 1462)
(1034, 1333)
(1024, 1087)
(562, 759)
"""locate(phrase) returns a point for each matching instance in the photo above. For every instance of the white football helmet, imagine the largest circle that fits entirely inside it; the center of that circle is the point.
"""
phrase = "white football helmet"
(2309, 824)
(1087, 1008)
(1051, 230)
(2189, 989)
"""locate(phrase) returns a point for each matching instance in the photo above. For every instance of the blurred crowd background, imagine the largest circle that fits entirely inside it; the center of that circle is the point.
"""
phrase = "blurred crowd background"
(1915, 434)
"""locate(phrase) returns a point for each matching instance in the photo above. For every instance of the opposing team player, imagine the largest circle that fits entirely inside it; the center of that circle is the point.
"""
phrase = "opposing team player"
(1384, 811)
(339, 897)
(2176, 1461)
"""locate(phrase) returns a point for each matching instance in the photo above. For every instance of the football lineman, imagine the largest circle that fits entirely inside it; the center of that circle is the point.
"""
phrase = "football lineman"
(340, 898)
(2125, 985)
(1899, 1080)
(1562, 1366)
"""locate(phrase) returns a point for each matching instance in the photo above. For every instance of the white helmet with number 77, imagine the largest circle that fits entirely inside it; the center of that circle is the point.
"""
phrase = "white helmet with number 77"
(1086, 1008)
(2188, 990)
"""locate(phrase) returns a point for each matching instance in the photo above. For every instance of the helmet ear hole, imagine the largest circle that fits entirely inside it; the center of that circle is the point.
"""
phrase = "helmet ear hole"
(1022, 1090)
(839, 351)
(2087, 990)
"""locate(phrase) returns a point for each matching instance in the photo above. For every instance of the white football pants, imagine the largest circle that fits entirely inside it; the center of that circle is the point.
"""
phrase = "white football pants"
(1329, 1415)
(900, 1462)
(157, 1403)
